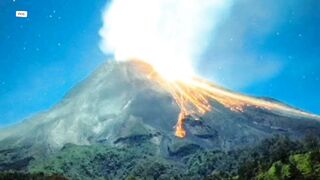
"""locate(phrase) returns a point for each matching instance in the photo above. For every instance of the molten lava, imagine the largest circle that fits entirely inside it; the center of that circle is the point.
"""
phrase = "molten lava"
(193, 99)
(195, 96)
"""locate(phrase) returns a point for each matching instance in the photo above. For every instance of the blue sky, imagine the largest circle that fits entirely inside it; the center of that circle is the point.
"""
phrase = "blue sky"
(261, 48)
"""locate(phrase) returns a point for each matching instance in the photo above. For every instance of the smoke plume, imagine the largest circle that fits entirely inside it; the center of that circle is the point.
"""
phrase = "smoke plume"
(168, 34)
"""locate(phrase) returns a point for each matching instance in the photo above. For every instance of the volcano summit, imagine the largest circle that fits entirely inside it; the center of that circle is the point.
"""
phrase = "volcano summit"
(121, 107)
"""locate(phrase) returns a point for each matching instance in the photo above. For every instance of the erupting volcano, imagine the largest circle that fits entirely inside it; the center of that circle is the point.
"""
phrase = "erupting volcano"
(159, 106)
(170, 36)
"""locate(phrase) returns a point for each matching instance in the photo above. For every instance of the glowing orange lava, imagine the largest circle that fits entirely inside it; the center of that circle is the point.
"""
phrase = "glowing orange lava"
(195, 97)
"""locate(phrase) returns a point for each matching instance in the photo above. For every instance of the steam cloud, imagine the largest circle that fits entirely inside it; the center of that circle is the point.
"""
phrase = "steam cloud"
(165, 33)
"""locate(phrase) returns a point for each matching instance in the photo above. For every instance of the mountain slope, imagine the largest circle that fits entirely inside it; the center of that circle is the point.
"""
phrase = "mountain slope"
(119, 106)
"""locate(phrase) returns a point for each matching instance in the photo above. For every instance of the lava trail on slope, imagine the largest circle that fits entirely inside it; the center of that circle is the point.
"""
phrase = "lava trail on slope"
(194, 98)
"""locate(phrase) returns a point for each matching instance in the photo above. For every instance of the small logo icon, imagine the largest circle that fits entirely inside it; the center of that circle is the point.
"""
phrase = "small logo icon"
(22, 14)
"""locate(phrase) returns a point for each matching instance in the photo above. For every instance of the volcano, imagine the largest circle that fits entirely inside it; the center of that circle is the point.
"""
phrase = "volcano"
(118, 106)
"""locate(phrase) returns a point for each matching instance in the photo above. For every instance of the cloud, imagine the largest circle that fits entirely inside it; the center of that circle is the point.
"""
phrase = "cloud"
(165, 33)
(213, 35)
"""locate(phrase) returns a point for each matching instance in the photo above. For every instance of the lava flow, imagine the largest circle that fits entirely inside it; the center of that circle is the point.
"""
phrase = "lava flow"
(195, 96)
(193, 99)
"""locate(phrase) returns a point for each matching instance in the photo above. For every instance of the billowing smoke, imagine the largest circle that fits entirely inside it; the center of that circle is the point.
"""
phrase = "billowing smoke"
(169, 34)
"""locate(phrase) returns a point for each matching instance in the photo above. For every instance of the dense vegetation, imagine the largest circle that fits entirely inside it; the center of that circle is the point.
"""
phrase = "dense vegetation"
(281, 158)
(275, 158)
